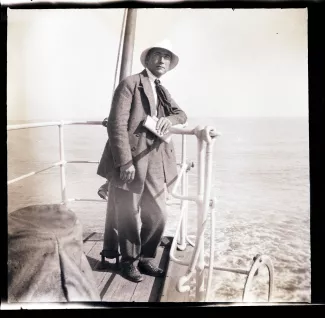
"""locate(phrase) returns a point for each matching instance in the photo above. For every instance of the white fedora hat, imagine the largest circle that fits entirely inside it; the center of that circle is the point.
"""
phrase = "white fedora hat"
(166, 45)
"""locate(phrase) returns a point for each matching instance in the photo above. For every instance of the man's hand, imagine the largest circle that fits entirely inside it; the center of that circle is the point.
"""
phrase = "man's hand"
(128, 174)
(163, 125)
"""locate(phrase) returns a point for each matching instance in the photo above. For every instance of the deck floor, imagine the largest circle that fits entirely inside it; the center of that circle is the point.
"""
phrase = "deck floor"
(174, 272)
(112, 286)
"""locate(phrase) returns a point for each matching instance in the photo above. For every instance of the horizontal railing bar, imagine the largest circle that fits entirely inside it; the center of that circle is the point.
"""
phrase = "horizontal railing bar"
(223, 269)
(189, 131)
(170, 203)
(93, 161)
(53, 123)
(85, 122)
(76, 199)
(232, 270)
(173, 130)
(92, 200)
(82, 161)
(78, 2)
(25, 126)
(34, 172)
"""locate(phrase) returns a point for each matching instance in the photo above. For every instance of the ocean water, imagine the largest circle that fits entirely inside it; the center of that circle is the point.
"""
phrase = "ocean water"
(260, 179)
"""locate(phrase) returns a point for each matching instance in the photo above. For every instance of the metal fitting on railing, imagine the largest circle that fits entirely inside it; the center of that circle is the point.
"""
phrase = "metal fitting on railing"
(182, 285)
(206, 133)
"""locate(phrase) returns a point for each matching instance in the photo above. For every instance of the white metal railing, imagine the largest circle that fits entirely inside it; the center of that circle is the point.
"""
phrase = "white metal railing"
(205, 141)
(62, 163)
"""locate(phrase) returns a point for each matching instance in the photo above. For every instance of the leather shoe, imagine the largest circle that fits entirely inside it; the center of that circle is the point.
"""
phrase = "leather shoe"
(131, 272)
(150, 269)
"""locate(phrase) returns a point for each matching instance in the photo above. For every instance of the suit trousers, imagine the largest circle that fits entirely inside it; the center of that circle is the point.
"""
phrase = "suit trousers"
(140, 218)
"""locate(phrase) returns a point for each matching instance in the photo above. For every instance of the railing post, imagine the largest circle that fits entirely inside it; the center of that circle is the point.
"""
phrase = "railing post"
(183, 231)
(62, 165)
(206, 208)
(200, 264)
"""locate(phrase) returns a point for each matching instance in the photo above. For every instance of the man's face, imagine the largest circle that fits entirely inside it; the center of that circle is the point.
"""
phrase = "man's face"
(158, 61)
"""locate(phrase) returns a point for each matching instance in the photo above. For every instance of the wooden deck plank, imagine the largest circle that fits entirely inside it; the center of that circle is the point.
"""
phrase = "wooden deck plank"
(150, 288)
(111, 286)
(106, 283)
(119, 289)
(173, 295)
(114, 288)
(94, 260)
(174, 272)
(144, 290)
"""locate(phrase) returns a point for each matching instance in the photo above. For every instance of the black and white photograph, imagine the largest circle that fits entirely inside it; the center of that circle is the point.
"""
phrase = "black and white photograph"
(158, 155)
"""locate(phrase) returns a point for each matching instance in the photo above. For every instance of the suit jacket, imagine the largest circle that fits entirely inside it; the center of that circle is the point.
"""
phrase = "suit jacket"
(129, 141)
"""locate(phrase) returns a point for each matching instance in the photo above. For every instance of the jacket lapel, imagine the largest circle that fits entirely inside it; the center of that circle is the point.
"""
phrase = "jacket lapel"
(148, 91)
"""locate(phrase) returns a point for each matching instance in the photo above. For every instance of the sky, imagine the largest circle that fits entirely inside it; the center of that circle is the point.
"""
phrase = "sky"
(244, 62)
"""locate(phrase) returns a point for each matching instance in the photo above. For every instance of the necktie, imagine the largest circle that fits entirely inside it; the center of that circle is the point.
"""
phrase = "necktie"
(163, 98)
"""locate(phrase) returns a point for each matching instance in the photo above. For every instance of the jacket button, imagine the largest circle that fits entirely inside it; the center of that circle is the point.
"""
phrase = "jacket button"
(133, 148)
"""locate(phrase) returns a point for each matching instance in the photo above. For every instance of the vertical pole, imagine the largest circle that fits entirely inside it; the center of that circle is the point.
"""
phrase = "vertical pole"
(129, 36)
(206, 202)
(62, 165)
(200, 264)
(183, 231)
(119, 52)
(186, 202)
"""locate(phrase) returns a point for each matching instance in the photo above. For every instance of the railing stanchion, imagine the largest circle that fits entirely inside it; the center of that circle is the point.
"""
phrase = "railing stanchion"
(185, 202)
(200, 263)
(206, 205)
(62, 166)
(183, 231)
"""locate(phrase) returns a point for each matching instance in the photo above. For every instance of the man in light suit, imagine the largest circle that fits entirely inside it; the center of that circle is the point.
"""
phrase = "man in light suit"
(138, 164)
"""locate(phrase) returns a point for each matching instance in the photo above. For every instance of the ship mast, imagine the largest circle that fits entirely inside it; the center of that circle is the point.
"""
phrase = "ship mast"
(128, 43)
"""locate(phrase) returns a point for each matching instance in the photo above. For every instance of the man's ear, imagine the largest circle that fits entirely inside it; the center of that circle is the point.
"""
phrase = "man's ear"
(147, 57)
(146, 60)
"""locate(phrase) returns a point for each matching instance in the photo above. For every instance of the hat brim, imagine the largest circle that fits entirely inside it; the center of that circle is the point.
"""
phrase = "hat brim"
(173, 62)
